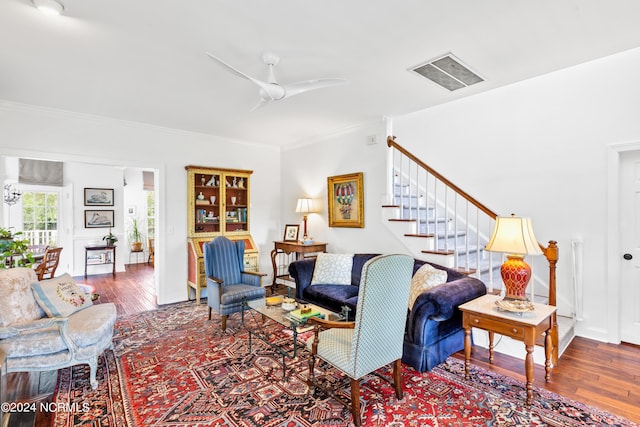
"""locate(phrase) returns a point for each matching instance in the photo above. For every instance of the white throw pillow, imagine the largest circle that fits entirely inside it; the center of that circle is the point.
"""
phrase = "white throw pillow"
(60, 296)
(332, 269)
(425, 278)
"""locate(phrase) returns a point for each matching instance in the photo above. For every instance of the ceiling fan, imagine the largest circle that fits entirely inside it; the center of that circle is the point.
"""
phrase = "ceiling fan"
(271, 90)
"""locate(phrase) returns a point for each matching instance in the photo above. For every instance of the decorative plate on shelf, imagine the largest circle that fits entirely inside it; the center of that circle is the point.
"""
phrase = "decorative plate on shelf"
(515, 305)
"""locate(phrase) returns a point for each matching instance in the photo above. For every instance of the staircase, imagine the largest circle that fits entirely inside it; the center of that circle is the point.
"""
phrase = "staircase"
(439, 222)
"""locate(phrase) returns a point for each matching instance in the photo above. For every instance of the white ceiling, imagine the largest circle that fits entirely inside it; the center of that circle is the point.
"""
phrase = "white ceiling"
(144, 60)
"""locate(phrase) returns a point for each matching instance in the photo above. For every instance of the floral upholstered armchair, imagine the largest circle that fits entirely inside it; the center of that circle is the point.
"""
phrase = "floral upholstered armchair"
(51, 324)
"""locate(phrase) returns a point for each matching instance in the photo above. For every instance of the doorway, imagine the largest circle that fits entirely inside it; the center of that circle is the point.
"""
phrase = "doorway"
(629, 234)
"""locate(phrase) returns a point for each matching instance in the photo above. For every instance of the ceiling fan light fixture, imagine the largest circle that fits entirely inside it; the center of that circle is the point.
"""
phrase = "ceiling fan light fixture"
(49, 7)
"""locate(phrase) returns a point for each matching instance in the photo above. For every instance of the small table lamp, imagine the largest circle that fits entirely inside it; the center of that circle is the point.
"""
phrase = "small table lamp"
(305, 206)
(514, 236)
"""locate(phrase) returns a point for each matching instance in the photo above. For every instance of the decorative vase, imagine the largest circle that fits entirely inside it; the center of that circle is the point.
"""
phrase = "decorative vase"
(200, 196)
(213, 200)
(136, 246)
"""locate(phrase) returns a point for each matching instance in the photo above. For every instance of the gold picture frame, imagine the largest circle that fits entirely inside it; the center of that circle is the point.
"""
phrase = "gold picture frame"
(346, 200)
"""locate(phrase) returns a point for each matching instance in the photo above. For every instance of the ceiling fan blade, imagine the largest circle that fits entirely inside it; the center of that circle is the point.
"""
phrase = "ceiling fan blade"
(274, 93)
(261, 103)
(305, 86)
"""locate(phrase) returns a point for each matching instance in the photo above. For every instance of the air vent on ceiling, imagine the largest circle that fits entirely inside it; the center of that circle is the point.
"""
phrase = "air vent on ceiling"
(448, 72)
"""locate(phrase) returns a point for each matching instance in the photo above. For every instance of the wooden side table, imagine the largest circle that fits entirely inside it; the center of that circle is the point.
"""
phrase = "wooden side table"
(110, 257)
(483, 313)
(299, 249)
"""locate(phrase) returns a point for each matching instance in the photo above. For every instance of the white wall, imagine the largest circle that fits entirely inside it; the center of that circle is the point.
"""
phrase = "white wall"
(56, 135)
(539, 148)
(304, 174)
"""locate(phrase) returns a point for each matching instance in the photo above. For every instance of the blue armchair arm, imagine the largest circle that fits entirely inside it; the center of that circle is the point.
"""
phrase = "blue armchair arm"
(302, 272)
(441, 302)
(252, 278)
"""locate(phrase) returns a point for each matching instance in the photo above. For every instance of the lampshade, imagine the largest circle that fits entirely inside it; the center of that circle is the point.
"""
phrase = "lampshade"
(51, 7)
(513, 235)
(305, 206)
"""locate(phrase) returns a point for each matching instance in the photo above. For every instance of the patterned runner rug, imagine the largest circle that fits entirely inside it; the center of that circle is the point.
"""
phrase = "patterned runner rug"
(173, 367)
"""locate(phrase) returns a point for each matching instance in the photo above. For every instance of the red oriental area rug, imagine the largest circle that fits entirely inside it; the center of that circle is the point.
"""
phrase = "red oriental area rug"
(173, 367)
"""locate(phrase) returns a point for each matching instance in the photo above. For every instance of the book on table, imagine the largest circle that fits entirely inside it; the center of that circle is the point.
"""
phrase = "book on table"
(299, 315)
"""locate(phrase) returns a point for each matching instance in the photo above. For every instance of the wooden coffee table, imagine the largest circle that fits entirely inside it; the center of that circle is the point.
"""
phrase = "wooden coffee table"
(483, 313)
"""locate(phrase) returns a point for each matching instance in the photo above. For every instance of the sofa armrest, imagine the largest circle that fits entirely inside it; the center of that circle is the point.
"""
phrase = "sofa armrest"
(302, 272)
(441, 302)
(59, 323)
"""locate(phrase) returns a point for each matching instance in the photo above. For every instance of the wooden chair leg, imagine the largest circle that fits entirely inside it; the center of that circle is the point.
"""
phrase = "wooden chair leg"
(209, 313)
(224, 323)
(397, 378)
(311, 380)
(355, 402)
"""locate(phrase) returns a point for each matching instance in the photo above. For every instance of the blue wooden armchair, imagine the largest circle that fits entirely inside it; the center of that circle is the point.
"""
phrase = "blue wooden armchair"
(228, 285)
(375, 338)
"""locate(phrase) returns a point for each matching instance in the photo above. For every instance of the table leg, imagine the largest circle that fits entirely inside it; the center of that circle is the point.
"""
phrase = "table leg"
(548, 345)
(491, 336)
(528, 364)
(274, 253)
(467, 351)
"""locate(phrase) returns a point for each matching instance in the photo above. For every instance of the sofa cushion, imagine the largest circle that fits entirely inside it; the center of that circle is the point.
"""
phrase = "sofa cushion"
(425, 278)
(18, 303)
(332, 269)
(60, 296)
(331, 296)
(90, 326)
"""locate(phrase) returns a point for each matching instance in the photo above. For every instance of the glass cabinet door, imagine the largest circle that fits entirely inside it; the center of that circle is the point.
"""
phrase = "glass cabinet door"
(207, 202)
(236, 203)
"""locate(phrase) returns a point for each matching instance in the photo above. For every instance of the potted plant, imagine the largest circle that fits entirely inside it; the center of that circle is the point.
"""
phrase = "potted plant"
(110, 238)
(135, 236)
(14, 251)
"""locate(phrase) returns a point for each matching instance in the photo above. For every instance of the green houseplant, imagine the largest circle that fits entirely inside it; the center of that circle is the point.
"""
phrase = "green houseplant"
(14, 251)
(110, 238)
(135, 236)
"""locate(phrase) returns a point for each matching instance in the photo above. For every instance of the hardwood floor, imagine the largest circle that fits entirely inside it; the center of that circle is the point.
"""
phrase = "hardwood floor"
(606, 376)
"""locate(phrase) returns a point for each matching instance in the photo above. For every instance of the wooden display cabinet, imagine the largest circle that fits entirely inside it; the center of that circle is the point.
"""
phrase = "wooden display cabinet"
(197, 279)
(218, 201)
(218, 205)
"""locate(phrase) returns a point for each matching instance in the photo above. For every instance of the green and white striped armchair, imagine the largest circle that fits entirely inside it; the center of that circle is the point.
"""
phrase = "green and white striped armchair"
(375, 338)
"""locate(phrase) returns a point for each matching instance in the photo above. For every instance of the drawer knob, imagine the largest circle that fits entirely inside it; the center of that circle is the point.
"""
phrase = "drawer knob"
(476, 321)
(514, 330)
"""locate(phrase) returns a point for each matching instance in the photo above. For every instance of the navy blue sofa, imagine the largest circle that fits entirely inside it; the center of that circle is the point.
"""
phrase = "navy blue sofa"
(434, 326)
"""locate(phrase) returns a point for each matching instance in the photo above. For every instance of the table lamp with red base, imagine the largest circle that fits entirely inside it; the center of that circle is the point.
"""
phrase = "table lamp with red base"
(514, 236)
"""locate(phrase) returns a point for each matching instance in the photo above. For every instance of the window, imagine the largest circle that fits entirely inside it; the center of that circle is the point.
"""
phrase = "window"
(151, 214)
(40, 217)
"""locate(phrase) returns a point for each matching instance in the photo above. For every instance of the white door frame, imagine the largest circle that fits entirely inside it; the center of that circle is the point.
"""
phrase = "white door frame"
(614, 254)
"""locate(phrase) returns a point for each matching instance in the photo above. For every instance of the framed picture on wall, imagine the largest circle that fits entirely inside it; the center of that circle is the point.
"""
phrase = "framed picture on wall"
(98, 219)
(291, 232)
(98, 196)
(346, 200)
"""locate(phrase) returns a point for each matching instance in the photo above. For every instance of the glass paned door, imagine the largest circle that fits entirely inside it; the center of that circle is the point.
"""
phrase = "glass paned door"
(40, 217)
